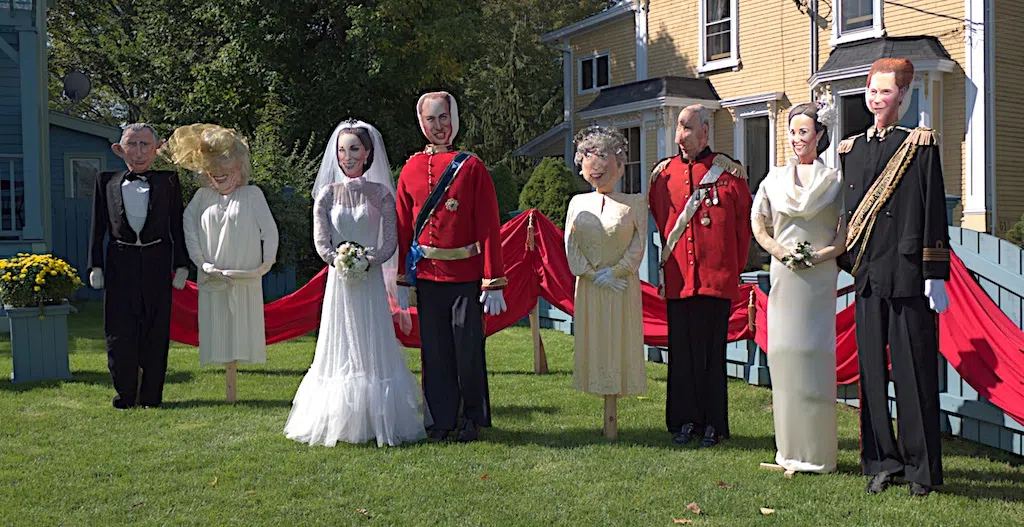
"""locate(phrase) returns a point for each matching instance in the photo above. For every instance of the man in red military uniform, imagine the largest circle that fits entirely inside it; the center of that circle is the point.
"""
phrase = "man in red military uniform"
(449, 238)
(701, 205)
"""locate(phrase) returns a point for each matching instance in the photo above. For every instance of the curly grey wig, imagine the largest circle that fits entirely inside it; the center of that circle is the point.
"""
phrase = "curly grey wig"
(601, 139)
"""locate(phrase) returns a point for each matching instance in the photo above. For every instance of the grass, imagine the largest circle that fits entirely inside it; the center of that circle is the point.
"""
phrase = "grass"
(67, 458)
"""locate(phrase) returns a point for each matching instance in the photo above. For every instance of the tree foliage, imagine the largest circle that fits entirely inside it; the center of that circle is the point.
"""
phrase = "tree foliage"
(549, 190)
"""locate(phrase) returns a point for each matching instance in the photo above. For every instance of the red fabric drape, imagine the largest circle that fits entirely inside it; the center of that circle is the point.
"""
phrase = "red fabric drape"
(975, 336)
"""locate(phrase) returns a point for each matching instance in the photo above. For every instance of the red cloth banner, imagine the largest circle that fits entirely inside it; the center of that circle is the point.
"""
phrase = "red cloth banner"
(975, 336)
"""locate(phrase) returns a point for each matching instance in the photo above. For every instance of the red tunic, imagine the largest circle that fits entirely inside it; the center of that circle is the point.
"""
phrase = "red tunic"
(707, 260)
(467, 213)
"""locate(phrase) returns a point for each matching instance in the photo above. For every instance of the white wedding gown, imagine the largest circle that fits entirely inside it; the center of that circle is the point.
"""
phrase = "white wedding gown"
(359, 387)
(801, 317)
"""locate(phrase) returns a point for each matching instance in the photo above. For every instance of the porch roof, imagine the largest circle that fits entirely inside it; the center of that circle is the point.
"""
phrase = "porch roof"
(652, 93)
(854, 59)
(543, 143)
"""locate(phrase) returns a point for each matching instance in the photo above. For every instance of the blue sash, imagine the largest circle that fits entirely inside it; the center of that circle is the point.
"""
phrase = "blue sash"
(415, 252)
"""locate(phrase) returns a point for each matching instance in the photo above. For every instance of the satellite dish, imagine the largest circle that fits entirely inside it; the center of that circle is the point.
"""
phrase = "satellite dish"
(76, 86)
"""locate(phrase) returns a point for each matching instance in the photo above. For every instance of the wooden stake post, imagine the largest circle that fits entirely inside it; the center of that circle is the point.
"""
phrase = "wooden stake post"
(540, 359)
(231, 374)
(611, 416)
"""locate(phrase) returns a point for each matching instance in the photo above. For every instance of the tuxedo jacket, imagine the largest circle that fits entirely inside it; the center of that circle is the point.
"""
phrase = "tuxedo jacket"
(163, 217)
(910, 239)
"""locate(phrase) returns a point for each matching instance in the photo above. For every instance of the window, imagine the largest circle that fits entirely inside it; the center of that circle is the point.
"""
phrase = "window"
(632, 178)
(717, 35)
(756, 139)
(594, 73)
(856, 20)
(82, 172)
(913, 115)
(854, 115)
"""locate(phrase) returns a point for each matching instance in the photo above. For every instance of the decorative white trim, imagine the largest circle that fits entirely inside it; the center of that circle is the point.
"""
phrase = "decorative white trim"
(622, 8)
(876, 30)
(753, 99)
(733, 62)
(641, 10)
(69, 180)
(767, 109)
(579, 68)
(648, 104)
(978, 184)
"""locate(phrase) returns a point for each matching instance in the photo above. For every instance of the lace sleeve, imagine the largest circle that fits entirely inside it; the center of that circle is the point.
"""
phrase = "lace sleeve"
(388, 230)
(631, 260)
(322, 225)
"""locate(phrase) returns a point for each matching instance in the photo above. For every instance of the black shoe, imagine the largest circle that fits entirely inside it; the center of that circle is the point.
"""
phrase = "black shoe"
(918, 490)
(684, 435)
(151, 406)
(435, 434)
(469, 432)
(711, 438)
(121, 404)
(880, 482)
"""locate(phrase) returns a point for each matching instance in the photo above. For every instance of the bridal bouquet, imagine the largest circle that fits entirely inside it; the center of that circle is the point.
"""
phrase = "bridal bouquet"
(800, 257)
(351, 262)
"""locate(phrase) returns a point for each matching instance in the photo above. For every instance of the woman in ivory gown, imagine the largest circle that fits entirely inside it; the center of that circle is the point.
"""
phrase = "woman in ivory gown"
(801, 202)
(232, 239)
(359, 387)
(605, 235)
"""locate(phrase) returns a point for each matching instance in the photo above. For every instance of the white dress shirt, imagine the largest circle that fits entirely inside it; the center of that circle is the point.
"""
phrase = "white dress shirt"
(135, 195)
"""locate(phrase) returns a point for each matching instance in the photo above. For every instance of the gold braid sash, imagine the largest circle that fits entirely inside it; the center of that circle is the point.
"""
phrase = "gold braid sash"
(863, 220)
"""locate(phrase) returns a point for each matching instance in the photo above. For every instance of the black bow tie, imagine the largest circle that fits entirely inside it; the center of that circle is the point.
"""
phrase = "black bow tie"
(132, 176)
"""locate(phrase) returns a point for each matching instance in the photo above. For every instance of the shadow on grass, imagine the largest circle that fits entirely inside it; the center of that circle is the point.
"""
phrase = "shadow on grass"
(212, 403)
(524, 412)
(86, 377)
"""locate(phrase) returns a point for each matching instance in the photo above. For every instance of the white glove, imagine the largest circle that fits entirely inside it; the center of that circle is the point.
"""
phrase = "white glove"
(403, 296)
(618, 284)
(215, 273)
(180, 277)
(96, 278)
(935, 290)
(265, 268)
(493, 301)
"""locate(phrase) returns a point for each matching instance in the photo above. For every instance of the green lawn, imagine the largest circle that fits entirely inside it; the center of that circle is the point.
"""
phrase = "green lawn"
(68, 458)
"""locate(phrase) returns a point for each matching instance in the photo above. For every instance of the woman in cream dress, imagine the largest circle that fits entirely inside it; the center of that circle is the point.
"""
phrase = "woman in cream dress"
(605, 234)
(801, 202)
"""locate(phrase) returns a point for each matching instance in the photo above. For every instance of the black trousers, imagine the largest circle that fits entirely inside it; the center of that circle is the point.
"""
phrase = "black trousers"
(452, 352)
(909, 327)
(137, 321)
(698, 329)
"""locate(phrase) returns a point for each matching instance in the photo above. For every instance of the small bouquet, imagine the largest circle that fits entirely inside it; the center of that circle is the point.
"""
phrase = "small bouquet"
(799, 258)
(351, 262)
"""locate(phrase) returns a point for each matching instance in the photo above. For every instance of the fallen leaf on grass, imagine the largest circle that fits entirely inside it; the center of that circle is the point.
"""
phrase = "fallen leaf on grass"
(694, 508)
(484, 476)
(214, 482)
(250, 492)
(766, 511)
(136, 506)
(682, 521)
(364, 512)
(722, 485)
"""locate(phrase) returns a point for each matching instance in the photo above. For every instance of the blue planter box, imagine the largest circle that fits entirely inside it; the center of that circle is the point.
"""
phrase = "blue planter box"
(39, 346)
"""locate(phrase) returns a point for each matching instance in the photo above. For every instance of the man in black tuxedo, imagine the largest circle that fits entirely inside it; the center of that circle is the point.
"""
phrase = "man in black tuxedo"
(898, 253)
(139, 211)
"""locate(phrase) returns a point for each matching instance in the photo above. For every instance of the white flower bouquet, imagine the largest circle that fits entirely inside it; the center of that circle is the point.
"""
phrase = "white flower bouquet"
(799, 258)
(351, 262)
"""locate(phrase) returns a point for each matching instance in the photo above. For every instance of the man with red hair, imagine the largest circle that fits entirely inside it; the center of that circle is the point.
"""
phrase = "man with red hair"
(898, 253)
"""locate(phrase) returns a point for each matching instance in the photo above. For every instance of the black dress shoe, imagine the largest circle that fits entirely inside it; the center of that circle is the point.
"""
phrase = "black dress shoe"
(684, 435)
(469, 432)
(121, 404)
(435, 434)
(918, 490)
(711, 437)
(879, 483)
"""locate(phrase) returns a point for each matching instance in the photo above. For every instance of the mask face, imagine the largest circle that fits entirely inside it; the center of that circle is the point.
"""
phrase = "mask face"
(351, 155)
(138, 149)
(883, 97)
(227, 176)
(436, 120)
(602, 170)
(802, 138)
(691, 135)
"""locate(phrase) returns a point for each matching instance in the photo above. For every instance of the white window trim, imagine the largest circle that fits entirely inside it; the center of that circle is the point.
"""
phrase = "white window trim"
(69, 179)
(925, 115)
(631, 123)
(733, 62)
(579, 72)
(743, 113)
(877, 29)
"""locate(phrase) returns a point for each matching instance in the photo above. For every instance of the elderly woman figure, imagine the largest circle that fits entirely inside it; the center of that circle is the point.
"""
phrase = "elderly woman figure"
(605, 234)
(232, 238)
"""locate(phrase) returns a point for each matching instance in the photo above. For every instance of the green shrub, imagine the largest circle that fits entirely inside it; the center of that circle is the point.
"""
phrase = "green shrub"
(506, 189)
(549, 190)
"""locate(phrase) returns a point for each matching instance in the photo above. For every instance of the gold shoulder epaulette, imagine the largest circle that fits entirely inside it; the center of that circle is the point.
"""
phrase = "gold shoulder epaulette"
(923, 136)
(730, 166)
(847, 144)
(658, 168)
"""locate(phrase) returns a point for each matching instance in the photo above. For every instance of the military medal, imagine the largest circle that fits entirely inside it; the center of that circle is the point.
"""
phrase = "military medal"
(705, 219)
(451, 204)
(714, 201)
